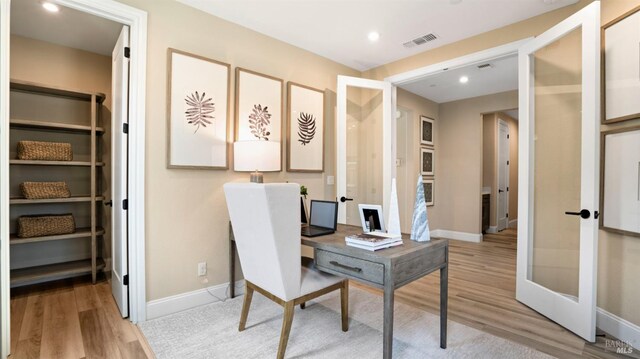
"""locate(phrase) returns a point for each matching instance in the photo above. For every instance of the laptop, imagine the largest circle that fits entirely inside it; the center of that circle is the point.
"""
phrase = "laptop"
(323, 219)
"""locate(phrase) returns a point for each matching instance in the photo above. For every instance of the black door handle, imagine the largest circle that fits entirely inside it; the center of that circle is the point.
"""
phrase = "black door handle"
(344, 199)
(585, 213)
(500, 191)
(109, 203)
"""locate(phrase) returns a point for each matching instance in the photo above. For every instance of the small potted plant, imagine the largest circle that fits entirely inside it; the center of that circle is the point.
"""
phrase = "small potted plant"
(304, 193)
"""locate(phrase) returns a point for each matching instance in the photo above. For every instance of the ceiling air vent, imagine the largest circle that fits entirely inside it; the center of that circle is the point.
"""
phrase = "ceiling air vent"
(420, 40)
(485, 66)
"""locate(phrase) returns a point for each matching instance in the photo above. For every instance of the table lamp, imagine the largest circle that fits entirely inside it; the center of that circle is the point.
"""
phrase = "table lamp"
(256, 156)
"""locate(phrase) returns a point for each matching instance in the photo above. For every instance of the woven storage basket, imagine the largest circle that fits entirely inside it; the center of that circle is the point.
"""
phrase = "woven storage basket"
(45, 225)
(42, 190)
(44, 151)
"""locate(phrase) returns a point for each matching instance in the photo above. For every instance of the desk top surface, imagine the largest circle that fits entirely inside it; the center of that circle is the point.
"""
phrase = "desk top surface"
(336, 241)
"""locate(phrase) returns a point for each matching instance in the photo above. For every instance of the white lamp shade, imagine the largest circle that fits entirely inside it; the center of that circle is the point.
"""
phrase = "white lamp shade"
(256, 156)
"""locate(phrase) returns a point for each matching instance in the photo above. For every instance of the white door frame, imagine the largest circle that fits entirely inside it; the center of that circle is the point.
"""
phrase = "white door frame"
(388, 136)
(506, 191)
(137, 21)
(578, 315)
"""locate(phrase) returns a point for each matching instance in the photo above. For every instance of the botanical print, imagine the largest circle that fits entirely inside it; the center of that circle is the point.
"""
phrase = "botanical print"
(259, 119)
(199, 110)
(306, 128)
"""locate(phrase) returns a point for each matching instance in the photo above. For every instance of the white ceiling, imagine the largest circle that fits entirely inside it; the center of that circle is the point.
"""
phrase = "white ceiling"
(338, 29)
(445, 86)
(68, 27)
(512, 113)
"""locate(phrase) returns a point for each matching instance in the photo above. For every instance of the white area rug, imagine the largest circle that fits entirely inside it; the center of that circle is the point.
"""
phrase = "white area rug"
(211, 331)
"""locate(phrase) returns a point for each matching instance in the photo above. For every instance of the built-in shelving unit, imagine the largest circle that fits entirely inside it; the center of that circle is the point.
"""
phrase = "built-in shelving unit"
(85, 204)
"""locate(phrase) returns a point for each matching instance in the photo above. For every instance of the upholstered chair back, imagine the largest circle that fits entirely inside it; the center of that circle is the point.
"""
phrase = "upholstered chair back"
(266, 227)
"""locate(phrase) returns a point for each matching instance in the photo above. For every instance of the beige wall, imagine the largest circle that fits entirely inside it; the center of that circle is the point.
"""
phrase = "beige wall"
(489, 160)
(186, 213)
(409, 168)
(619, 255)
(459, 159)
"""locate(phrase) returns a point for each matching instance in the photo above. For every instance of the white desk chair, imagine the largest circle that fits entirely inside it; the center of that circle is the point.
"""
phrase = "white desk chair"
(266, 227)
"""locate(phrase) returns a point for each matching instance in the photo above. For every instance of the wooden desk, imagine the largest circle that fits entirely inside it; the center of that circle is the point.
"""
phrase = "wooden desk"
(387, 269)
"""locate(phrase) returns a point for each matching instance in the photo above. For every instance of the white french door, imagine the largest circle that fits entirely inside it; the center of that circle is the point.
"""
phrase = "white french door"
(365, 129)
(119, 176)
(559, 89)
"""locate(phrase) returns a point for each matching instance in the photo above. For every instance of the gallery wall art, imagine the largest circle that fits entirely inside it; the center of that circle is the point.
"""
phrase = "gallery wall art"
(258, 107)
(427, 161)
(426, 131)
(429, 191)
(198, 111)
(305, 129)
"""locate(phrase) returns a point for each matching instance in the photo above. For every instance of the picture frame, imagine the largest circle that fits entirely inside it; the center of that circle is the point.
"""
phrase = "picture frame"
(258, 108)
(620, 181)
(621, 68)
(429, 191)
(427, 161)
(305, 128)
(198, 116)
(373, 211)
(426, 130)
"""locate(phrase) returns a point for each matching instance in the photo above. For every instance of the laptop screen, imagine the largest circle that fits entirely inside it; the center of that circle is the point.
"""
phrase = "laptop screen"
(324, 214)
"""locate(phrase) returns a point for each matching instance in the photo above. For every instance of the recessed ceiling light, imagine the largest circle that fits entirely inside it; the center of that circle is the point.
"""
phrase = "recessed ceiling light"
(549, 2)
(464, 79)
(50, 7)
(373, 36)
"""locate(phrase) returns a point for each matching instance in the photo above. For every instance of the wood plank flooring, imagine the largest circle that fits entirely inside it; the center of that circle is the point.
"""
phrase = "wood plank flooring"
(72, 319)
(482, 295)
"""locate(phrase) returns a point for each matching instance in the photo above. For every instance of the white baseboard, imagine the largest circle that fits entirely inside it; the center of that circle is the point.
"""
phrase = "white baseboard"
(179, 302)
(513, 223)
(492, 229)
(618, 327)
(461, 236)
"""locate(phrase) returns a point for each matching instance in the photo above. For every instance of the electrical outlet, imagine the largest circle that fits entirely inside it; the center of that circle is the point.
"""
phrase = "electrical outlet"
(202, 269)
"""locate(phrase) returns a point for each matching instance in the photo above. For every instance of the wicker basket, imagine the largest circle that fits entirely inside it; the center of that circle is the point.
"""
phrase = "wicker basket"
(44, 151)
(45, 225)
(42, 190)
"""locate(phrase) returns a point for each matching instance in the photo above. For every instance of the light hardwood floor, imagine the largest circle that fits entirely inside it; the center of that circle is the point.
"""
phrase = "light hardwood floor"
(482, 295)
(71, 319)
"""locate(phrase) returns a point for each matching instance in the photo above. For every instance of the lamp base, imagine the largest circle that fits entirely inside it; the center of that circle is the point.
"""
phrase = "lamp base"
(256, 177)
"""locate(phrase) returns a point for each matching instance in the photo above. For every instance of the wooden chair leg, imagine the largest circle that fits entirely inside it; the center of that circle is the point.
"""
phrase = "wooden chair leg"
(248, 295)
(344, 305)
(286, 328)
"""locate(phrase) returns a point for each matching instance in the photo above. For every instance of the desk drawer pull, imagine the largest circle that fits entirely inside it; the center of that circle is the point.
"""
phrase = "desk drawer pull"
(354, 269)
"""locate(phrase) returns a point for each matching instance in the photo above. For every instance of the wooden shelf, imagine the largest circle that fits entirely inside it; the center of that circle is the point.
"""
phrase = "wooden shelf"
(72, 199)
(79, 233)
(55, 126)
(31, 275)
(54, 91)
(54, 163)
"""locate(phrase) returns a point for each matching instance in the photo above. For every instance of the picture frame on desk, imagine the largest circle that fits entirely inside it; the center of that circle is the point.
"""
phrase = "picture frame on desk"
(427, 161)
(198, 116)
(621, 68)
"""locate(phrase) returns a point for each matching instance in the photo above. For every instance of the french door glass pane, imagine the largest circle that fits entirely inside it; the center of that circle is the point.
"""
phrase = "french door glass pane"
(557, 144)
(364, 150)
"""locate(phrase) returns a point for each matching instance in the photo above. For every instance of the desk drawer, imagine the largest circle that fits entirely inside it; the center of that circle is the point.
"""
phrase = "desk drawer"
(350, 266)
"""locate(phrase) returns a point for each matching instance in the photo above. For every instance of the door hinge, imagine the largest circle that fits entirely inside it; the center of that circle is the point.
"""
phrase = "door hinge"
(507, 163)
(127, 52)
(507, 215)
(125, 204)
(125, 127)
(507, 137)
(507, 189)
(125, 279)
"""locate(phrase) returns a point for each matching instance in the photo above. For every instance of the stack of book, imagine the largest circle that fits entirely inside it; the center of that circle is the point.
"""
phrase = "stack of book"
(373, 241)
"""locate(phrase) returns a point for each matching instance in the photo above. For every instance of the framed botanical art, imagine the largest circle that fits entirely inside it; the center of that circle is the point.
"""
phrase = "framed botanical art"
(620, 181)
(427, 161)
(426, 131)
(197, 111)
(429, 191)
(621, 68)
(305, 128)
(258, 108)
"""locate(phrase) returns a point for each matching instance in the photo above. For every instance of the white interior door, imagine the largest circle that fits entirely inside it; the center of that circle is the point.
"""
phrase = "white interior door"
(365, 132)
(119, 165)
(5, 329)
(503, 175)
(559, 154)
